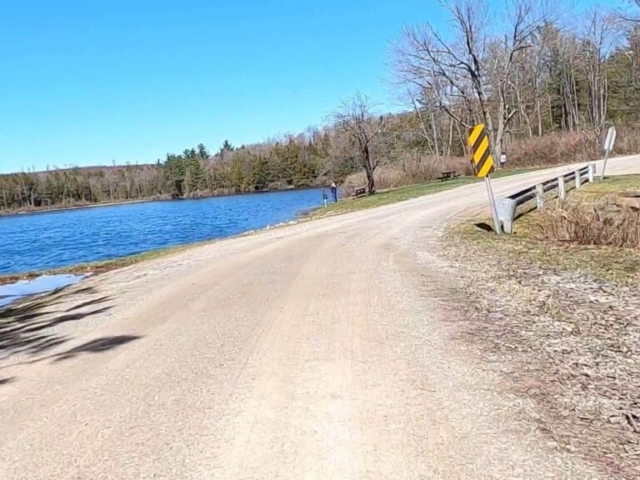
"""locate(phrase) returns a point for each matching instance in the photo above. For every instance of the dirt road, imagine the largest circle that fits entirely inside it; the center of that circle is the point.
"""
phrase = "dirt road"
(323, 350)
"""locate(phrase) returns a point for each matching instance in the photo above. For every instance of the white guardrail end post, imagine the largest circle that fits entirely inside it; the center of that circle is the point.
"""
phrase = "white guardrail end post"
(506, 213)
(540, 196)
(592, 172)
(562, 188)
(578, 179)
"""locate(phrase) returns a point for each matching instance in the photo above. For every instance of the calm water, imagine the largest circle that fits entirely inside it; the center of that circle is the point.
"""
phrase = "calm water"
(57, 239)
(45, 283)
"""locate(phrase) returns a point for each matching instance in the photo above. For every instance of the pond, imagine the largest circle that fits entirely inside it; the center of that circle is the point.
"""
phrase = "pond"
(52, 240)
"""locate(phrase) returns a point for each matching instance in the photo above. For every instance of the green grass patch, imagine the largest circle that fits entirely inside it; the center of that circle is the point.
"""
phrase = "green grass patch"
(394, 195)
(507, 172)
(620, 184)
(620, 265)
(386, 197)
(613, 264)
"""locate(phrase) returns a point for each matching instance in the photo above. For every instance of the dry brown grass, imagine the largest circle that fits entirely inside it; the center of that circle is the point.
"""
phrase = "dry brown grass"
(553, 149)
(601, 214)
(603, 222)
(411, 169)
(628, 140)
(560, 148)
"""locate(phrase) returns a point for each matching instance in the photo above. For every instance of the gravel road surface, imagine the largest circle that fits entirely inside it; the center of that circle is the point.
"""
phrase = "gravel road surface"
(322, 350)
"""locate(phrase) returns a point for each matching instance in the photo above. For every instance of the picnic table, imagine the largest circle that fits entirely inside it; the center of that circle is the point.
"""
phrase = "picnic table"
(359, 192)
(448, 175)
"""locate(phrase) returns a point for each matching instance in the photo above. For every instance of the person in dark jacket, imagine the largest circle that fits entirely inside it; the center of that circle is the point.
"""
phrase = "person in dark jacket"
(334, 192)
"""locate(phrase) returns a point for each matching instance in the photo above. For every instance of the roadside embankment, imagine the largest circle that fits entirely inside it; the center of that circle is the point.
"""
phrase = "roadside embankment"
(384, 197)
(344, 206)
(555, 308)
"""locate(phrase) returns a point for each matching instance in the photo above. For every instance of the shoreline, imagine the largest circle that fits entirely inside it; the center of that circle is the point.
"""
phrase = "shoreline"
(344, 206)
(104, 266)
(40, 210)
(75, 207)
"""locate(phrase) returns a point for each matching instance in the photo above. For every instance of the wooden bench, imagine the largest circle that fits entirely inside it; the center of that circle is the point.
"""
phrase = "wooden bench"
(359, 192)
(448, 175)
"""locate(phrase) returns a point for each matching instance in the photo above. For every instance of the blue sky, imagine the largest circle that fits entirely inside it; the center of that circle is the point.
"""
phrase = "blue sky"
(86, 83)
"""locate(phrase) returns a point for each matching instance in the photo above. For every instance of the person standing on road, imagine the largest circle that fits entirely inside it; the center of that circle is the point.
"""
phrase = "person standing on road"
(334, 192)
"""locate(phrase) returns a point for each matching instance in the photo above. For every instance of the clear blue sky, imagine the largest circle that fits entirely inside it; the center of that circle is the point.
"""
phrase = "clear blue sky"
(85, 83)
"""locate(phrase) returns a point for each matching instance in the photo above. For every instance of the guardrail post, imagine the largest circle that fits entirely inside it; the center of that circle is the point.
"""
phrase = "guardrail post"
(562, 188)
(506, 213)
(540, 196)
(578, 179)
(592, 172)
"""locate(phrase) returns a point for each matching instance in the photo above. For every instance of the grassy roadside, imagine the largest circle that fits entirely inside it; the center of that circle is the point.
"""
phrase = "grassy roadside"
(387, 197)
(620, 265)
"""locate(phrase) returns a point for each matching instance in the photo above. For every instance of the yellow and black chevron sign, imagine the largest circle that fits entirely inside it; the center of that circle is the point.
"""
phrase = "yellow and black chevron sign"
(479, 142)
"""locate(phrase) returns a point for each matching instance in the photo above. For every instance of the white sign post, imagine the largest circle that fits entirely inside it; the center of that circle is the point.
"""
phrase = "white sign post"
(608, 147)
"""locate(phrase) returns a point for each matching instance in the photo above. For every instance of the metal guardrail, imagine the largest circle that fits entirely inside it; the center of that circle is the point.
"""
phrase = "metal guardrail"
(507, 206)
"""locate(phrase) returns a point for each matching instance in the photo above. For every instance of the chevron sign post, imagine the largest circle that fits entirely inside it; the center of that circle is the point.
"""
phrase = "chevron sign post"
(483, 165)
(609, 142)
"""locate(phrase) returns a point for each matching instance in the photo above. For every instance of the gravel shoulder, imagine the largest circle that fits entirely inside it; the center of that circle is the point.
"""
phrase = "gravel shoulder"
(561, 335)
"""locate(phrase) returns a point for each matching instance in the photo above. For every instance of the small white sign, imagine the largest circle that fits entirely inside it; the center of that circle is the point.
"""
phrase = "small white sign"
(610, 140)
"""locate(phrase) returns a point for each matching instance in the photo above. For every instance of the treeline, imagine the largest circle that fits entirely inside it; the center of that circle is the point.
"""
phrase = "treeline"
(303, 160)
(546, 86)
(290, 162)
(79, 186)
(286, 163)
(530, 76)
(545, 83)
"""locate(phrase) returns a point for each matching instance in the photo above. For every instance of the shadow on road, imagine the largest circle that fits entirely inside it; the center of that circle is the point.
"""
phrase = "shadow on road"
(32, 307)
(88, 303)
(96, 346)
(29, 327)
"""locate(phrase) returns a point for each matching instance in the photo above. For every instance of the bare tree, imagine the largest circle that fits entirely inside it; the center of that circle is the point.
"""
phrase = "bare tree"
(472, 73)
(358, 134)
(600, 37)
(634, 15)
(426, 118)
